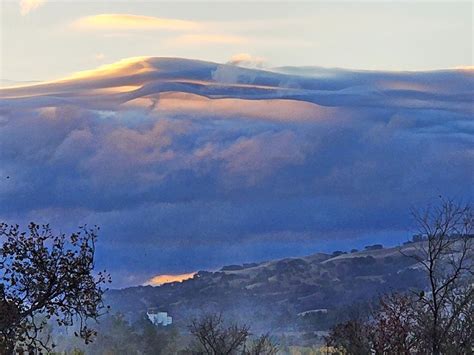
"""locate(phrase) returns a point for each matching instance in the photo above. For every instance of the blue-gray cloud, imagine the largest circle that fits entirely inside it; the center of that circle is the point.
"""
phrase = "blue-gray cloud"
(196, 163)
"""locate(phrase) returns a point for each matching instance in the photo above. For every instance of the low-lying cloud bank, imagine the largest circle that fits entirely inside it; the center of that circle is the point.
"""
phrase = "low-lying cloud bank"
(188, 164)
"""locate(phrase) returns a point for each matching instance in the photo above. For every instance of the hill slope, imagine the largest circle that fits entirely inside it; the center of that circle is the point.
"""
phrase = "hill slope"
(275, 294)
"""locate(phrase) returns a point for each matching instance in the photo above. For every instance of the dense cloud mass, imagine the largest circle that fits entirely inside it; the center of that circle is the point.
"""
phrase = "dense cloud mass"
(188, 165)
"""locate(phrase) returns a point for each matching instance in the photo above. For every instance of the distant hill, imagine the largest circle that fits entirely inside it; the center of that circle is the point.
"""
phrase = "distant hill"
(278, 294)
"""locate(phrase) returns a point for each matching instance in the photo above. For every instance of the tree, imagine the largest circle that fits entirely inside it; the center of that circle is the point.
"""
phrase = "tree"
(46, 277)
(263, 345)
(351, 336)
(391, 329)
(214, 337)
(438, 319)
(115, 336)
(446, 255)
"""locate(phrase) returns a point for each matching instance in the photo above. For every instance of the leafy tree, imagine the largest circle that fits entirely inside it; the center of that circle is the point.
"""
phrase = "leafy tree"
(115, 336)
(152, 339)
(392, 329)
(46, 276)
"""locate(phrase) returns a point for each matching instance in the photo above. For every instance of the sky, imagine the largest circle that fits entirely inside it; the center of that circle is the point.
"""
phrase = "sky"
(231, 133)
(68, 36)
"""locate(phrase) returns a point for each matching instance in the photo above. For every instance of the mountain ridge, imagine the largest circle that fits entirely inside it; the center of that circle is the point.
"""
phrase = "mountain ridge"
(288, 287)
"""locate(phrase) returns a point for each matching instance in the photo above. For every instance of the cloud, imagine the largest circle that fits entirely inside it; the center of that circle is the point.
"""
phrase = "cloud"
(267, 110)
(253, 159)
(189, 165)
(133, 22)
(246, 60)
(26, 6)
(468, 68)
(163, 279)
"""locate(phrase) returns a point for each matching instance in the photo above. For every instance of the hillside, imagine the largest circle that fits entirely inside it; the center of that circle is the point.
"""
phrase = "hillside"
(278, 294)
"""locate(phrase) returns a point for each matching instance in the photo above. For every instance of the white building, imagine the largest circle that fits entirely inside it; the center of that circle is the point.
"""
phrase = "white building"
(159, 318)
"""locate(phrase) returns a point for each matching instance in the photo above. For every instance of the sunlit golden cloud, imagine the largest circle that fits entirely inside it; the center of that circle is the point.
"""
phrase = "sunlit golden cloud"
(126, 66)
(245, 59)
(164, 279)
(133, 22)
(465, 67)
(172, 103)
(26, 6)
